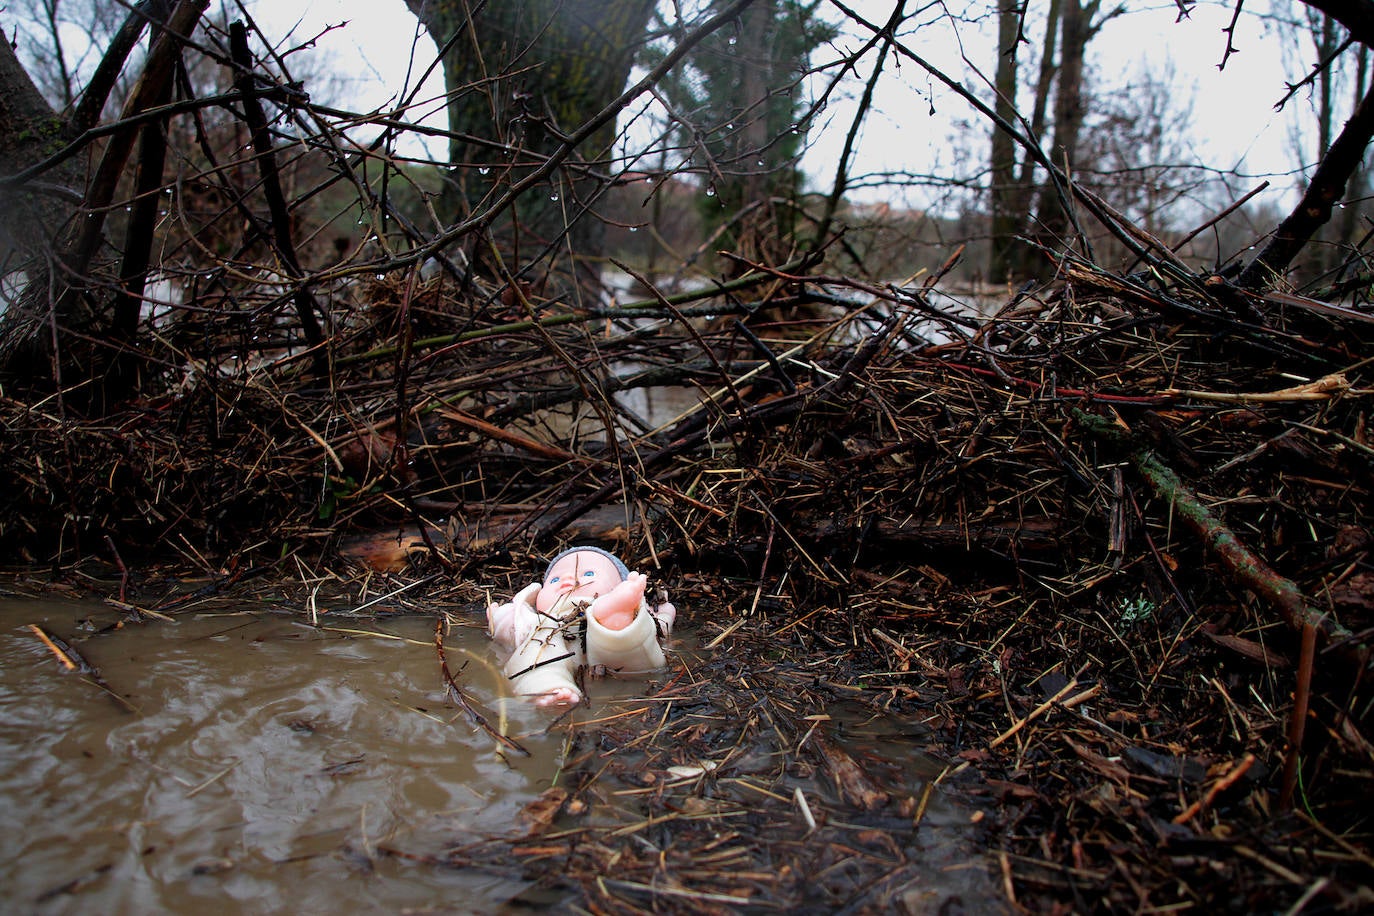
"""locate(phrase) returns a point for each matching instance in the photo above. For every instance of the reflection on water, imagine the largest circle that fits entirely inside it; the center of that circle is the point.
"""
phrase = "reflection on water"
(259, 767)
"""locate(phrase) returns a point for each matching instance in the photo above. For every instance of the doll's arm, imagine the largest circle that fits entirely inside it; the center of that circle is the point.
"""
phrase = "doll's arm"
(512, 622)
(549, 684)
(666, 615)
(540, 665)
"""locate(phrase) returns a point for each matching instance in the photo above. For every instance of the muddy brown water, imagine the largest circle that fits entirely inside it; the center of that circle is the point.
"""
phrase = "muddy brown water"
(260, 763)
(251, 763)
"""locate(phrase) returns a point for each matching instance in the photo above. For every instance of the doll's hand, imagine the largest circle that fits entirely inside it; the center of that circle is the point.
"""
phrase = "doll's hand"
(617, 609)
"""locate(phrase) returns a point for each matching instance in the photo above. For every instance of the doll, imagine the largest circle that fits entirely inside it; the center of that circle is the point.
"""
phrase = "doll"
(589, 610)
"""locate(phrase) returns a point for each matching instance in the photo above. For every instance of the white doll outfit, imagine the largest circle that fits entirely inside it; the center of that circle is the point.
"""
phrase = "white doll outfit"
(548, 648)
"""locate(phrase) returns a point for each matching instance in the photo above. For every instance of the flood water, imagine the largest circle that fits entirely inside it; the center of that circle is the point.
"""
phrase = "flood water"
(252, 763)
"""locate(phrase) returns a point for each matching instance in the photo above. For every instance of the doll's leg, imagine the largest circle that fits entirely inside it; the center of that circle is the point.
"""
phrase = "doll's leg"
(616, 609)
(542, 668)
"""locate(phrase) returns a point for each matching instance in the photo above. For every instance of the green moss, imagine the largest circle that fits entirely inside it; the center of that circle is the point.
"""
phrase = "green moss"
(49, 133)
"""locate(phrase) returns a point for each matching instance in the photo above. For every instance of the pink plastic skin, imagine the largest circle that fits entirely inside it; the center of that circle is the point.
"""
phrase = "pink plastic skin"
(588, 574)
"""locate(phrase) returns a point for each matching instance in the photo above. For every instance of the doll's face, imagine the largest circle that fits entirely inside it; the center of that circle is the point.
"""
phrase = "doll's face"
(583, 573)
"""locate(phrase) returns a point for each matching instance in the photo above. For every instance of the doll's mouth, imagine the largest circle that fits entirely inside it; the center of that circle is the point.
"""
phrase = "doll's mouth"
(587, 590)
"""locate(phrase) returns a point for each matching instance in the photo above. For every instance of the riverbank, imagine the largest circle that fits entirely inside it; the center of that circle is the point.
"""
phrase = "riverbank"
(1103, 556)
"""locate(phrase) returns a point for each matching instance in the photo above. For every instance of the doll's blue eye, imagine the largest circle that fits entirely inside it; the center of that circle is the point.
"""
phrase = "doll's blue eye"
(553, 580)
(589, 574)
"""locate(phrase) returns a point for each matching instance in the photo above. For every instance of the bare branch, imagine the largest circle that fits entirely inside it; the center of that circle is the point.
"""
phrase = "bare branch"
(1355, 15)
(1314, 210)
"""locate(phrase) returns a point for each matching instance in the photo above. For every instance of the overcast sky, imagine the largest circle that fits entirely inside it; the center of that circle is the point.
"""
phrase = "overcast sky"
(1233, 125)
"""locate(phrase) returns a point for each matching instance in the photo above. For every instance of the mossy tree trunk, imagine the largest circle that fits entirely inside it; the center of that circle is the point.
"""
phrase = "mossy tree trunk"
(34, 212)
(521, 76)
(31, 131)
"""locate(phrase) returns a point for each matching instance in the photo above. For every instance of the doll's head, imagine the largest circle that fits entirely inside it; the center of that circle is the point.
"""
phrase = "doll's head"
(584, 572)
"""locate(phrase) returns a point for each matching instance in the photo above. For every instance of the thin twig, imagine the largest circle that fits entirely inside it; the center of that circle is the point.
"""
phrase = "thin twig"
(473, 715)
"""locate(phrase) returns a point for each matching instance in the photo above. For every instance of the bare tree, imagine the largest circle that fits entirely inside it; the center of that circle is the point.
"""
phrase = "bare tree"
(1335, 76)
(57, 248)
(45, 38)
(1340, 170)
(1003, 198)
(738, 111)
(1032, 204)
(522, 77)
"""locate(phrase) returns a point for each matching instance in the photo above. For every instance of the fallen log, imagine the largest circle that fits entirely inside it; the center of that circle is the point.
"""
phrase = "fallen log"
(1248, 568)
(392, 549)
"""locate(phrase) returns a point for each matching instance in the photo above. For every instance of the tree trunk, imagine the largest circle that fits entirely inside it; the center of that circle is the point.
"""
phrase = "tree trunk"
(1021, 257)
(1002, 196)
(58, 244)
(31, 131)
(1075, 30)
(1355, 15)
(746, 113)
(1324, 42)
(1358, 186)
(1314, 210)
(34, 211)
(522, 75)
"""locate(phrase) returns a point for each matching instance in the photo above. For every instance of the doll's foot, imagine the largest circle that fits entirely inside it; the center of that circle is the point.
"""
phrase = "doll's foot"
(558, 696)
(617, 609)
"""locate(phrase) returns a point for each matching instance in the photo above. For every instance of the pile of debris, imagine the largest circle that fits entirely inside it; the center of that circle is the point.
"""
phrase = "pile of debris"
(1107, 546)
